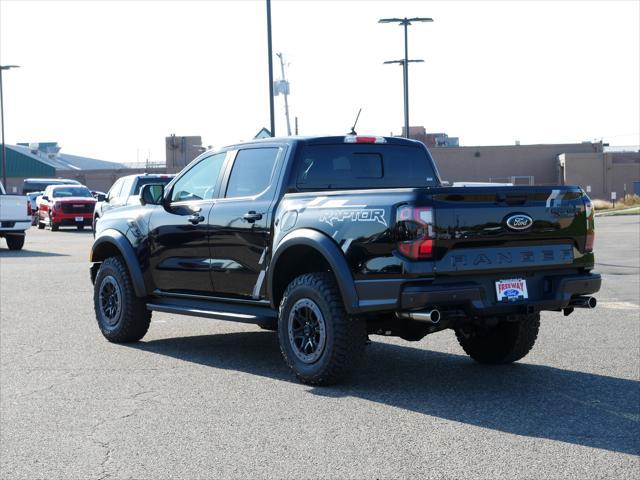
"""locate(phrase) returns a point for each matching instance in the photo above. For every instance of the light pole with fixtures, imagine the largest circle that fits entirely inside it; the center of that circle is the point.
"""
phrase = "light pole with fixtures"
(405, 22)
(4, 149)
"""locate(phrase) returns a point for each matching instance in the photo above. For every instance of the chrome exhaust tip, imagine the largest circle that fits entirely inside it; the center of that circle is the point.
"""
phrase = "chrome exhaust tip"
(583, 302)
(430, 316)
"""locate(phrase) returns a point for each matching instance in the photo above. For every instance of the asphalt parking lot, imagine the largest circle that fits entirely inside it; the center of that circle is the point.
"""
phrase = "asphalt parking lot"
(200, 398)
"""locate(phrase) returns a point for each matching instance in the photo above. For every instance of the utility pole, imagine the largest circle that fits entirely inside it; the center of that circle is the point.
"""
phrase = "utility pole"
(405, 22)
(285, 92)
(270, 57)
(4, 148)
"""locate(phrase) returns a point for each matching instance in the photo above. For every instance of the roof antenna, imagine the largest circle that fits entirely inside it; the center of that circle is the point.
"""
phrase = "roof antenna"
(353, 129)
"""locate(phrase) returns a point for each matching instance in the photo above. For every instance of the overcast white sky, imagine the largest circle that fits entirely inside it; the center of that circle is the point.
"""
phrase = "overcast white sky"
(110, 79)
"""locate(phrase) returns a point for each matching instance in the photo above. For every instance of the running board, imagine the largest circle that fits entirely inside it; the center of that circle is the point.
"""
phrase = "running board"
(217, 310)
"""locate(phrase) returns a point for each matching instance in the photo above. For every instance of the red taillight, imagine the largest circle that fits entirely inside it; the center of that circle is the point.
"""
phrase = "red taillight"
(415, 232)
(29, 209)
(591, 232)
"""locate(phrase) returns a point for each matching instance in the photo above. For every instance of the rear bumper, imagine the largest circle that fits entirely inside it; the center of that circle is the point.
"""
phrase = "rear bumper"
(475, 300)
(476, 296)
(14, 226)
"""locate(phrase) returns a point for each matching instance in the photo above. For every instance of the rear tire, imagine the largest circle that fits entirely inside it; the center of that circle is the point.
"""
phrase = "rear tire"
(507, 342)
(40, 225)
(318, 341)
(15, 242)
(122, 317)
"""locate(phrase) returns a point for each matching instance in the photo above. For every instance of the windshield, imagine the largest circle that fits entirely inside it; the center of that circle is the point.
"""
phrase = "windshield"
(151, 181)
(62, 192)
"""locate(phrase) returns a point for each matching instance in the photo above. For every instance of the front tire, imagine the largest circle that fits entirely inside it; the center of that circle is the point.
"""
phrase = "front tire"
(507, 342)
(122, 317)
(15, 242)
(54, 226)
(318, 341)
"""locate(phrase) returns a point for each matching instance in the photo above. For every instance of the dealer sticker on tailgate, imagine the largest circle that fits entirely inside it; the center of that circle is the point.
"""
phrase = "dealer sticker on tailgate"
(511, 290)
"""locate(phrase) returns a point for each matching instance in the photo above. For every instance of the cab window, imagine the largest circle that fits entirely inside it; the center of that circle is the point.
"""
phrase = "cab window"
(251, 173)
(199, 182)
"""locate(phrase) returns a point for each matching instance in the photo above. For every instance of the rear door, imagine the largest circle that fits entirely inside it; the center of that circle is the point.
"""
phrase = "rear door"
(179, 231)
(240, 221)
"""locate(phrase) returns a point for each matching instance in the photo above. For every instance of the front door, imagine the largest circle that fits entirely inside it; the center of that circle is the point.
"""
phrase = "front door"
(240, 223)
(179, 231)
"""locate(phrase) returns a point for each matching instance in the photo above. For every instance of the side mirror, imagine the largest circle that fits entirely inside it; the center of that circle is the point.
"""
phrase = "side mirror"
(101, 197)
(45, 198)
(151, 194)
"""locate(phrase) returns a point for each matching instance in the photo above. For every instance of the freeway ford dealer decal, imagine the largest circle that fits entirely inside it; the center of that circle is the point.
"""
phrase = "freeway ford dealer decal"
(511, 290)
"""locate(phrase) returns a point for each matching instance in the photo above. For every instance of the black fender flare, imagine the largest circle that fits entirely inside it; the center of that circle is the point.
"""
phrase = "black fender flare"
(115, 238)
(328, 248)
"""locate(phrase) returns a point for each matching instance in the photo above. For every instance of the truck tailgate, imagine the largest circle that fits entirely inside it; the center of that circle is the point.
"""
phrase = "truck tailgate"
(485, 228)
(13, 208)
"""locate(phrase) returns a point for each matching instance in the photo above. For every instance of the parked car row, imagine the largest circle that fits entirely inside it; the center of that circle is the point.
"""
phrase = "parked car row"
(60, 202)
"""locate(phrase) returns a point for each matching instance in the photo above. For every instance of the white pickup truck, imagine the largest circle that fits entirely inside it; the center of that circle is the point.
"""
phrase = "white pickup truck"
(15, 218)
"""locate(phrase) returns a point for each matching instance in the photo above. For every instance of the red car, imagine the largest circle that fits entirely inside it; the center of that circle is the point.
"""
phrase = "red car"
(66, 205)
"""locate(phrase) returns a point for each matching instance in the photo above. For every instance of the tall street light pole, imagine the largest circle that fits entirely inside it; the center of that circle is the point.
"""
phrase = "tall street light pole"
(270, 57)
(4, 149)
(405, 22)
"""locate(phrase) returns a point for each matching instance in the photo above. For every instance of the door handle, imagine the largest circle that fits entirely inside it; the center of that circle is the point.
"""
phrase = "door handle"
(252, 216)
(196, 218)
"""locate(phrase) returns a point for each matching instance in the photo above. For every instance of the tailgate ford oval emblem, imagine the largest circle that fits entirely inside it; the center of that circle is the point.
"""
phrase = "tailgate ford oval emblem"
(519, 221)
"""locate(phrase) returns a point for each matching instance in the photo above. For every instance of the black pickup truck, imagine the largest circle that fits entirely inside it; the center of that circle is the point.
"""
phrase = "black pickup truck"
(330, 239)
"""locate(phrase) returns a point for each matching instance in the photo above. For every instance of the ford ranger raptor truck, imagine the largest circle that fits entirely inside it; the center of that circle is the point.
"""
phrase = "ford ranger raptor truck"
(330, 239)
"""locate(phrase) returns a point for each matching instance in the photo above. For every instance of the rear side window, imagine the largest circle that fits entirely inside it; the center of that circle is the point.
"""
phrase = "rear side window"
(251, 173)
(347, 166)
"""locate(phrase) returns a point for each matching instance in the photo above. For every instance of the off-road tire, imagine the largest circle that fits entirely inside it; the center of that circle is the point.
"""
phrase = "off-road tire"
(345, 337)
(133, 320)
(507, 342)
(15, 242)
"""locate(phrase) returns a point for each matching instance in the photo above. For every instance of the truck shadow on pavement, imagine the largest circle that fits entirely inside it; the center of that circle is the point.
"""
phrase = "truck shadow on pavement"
(524, 399)
(6, 253)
